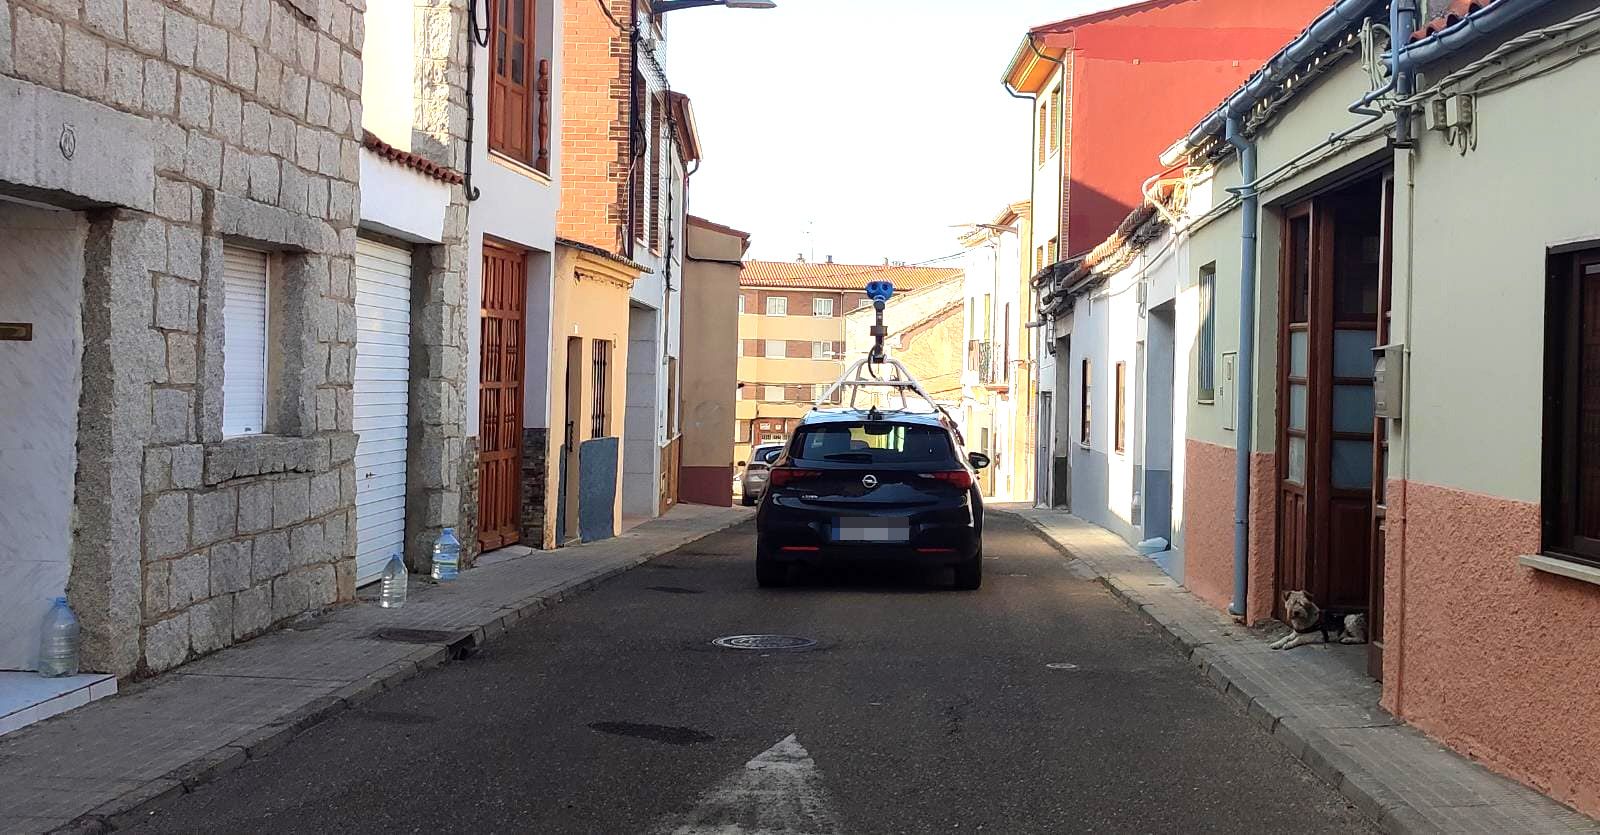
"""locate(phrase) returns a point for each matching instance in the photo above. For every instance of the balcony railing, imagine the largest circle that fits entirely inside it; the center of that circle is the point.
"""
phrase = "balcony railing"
(980, 359)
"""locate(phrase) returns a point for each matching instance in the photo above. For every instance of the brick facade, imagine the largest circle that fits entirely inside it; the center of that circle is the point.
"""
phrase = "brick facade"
(597, 61)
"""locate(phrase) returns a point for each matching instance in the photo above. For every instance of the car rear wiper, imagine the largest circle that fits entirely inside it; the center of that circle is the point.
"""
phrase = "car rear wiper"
(848, 456)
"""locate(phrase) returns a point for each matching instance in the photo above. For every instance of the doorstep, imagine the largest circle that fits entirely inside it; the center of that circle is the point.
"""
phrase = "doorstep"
(27, 697)
(107, 764)
(1316, 701)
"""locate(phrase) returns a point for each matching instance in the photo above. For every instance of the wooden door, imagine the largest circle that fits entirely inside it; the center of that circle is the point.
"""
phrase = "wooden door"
(570, 440)
(500, 375)
(1331, 282)
(1294, 399)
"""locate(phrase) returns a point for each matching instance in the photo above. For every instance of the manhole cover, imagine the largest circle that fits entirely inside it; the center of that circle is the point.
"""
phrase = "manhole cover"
(1062, 665)
(415, 636)
(764, 642)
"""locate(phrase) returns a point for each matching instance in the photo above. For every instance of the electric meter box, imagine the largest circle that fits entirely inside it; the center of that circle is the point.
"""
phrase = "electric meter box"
(1388, 373)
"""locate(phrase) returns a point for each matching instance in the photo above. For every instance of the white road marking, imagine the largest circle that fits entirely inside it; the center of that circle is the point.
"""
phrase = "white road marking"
(779, 792)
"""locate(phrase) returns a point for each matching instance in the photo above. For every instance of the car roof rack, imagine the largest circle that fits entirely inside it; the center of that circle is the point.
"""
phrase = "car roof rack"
(877, 370)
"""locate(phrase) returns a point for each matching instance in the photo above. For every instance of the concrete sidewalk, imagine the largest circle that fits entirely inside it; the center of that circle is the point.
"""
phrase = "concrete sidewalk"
(105, 764)
(1317, 702)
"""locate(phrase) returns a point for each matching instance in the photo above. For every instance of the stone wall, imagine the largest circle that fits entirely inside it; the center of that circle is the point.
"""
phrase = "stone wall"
(535, 477)
(208, 122)
(441, 489)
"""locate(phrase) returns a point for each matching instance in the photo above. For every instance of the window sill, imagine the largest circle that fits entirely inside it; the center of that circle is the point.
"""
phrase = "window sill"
(519, 166)
(1565, 568)
(1206, 401)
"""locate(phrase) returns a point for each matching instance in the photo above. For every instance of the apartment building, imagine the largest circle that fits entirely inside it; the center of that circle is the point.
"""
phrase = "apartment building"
(792, 336)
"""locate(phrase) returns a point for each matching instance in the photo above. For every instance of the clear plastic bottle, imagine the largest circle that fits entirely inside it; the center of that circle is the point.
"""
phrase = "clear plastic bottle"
(392, 588)
(58, 641)
(446, 556)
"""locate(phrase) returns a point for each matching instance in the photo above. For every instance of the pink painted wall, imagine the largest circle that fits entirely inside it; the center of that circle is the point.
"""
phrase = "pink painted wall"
(1208, 527)
(1497, 661)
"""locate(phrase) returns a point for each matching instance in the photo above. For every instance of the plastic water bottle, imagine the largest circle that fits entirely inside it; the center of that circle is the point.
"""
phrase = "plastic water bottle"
(392, 588)
(446, 556)
(58, 641)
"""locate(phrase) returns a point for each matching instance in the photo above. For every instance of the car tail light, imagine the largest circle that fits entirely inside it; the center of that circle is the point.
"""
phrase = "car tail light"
(958, 478)
(781, 476)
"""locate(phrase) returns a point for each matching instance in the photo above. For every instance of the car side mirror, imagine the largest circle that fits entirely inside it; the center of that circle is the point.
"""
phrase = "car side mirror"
(978, 460)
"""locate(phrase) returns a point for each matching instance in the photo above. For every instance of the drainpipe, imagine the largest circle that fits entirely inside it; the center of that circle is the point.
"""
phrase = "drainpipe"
(1245, 379)
(1402, 22)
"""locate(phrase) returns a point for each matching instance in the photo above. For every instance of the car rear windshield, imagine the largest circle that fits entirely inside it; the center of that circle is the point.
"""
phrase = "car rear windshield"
(875, 442)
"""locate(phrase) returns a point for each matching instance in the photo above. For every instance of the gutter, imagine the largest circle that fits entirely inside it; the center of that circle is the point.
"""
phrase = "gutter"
(1468, 30)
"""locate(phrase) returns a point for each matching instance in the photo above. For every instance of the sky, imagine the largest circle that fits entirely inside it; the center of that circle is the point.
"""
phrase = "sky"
(861, 129)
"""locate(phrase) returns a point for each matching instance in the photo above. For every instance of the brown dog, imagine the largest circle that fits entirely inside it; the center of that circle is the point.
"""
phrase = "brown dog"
(1312, 624)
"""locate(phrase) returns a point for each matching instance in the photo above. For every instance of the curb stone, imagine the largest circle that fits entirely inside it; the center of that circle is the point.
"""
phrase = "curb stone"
(1324, 759)
(133, 806)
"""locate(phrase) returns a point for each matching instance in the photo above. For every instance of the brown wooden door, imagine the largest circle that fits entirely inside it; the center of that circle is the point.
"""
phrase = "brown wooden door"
(1294, 397)
(1331, 282)
(500, 374)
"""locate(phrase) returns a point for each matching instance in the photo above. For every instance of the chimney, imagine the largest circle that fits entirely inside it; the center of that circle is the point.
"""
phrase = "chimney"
(800, 258)
(830, 259)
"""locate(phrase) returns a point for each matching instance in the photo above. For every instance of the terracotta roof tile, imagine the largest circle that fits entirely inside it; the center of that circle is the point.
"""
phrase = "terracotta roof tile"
(839, 276)
(1450, 16)
(415, 162)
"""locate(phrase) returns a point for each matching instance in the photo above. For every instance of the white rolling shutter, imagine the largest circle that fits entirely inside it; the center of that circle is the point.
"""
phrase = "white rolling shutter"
(244, 341)
(383, 365)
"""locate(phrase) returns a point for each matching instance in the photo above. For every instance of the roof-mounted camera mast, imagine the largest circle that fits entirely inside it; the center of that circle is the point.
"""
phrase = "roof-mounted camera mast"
(878, 369)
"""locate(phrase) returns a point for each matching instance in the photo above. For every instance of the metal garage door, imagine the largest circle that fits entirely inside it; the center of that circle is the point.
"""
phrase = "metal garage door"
(383, 360)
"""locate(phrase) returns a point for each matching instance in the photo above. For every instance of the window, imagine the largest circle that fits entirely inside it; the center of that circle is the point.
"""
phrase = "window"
(658, 109)
(600, 426)
(672, 397)
(1083, 420)
(1055, 124)
(988, 317)
(244, 341)
(875, 443)
(822, 350)
(1120, 439)
(821, 306)
(777, 305)
(773, 394)
(776, 349)
(638, 188)
(1571, 506)
(741, 303)
(1052, 253)
(511, 81)
(1206, 390)
(1044, 127)
(1005, 343)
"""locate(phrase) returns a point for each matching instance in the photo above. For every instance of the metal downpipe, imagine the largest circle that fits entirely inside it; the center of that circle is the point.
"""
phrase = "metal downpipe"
(1245, 378)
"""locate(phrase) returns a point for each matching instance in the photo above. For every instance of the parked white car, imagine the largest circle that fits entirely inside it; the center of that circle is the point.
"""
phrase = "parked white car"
(754, 481)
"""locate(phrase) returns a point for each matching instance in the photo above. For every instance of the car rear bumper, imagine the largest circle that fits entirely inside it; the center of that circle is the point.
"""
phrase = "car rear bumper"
(934, 537)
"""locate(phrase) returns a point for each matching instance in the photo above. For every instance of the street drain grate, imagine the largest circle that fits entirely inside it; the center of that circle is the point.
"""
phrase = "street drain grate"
(764, 642)
(416, 636)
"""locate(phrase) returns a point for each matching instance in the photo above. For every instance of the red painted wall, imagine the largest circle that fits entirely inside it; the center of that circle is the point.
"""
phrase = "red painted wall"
(1142, 80)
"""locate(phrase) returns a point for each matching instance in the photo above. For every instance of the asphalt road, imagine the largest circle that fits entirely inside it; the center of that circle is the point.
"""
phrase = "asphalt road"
(922, 710)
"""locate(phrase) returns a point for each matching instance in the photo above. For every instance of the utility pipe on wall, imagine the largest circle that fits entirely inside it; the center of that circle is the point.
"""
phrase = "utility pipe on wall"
(1244, 379)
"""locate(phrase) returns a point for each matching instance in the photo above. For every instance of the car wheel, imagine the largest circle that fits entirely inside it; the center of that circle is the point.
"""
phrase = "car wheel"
(969, 574)
(747, 500)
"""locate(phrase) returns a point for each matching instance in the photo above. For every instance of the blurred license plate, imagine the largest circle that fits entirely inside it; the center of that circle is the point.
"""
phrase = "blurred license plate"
(872, 529)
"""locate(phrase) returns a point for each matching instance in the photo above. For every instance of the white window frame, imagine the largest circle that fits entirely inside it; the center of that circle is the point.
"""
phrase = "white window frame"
(772, 394)
(777, 306)
(821, 350)
(782, 349)
(822, 306)
(235, 424)
(741, 303)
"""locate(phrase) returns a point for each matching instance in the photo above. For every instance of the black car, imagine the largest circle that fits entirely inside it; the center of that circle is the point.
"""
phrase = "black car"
(869, 485)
